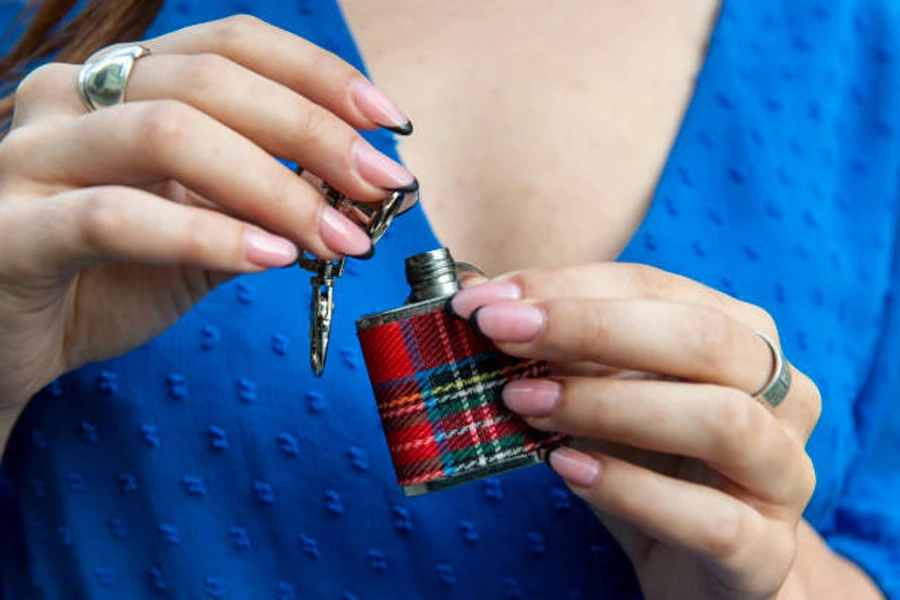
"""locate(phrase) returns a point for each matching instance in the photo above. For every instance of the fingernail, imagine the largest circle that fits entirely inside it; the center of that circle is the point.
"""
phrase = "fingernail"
(466, 301)
(368, 255)
(267, 250)
(341, 235)
(379, 170)
(409, 189)
(509, 321)
(577, 468)
(532, 397)
(378, 108)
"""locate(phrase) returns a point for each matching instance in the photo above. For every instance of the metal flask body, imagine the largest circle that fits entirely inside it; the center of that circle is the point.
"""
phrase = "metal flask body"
(437, 384)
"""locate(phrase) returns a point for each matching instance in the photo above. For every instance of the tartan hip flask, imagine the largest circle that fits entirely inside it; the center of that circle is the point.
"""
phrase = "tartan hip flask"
(437, 384)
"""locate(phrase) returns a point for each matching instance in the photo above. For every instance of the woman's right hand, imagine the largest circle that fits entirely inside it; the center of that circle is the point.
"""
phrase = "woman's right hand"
(114, 223)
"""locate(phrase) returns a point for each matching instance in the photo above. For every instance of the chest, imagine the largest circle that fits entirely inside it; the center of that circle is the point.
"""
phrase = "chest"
(541, 127)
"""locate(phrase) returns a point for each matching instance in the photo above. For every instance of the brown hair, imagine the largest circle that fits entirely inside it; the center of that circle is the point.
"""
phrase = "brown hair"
(56, 30)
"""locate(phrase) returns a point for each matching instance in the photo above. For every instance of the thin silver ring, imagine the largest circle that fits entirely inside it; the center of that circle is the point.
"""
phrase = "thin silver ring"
(102, 81)
(779, 384)
(464, 266)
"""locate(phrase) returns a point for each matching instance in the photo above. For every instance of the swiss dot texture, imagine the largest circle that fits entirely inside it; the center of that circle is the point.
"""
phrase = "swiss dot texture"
(211, 464)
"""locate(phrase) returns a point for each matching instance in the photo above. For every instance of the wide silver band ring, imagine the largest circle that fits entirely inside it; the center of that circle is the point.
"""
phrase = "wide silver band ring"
(102, 81)
(779, 384)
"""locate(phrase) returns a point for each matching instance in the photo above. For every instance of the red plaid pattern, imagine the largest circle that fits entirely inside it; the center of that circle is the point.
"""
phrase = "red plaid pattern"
(437, 383)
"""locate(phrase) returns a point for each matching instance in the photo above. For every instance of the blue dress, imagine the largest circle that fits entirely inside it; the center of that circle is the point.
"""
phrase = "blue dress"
(211, 464)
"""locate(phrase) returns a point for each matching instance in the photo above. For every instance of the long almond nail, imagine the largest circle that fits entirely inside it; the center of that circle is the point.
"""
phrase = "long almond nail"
(465, 302)
(267, 250)
(341, 235)
(376, 106)
(577, 468)
(509, 321)
(532, 397)
(379, 170)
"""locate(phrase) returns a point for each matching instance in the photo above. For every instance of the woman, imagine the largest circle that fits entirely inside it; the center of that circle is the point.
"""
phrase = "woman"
(636, 166)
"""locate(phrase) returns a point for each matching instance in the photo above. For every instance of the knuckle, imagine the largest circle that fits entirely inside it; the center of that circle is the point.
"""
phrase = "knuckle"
(651, 282)
(595, 325)
(760, 319)
(715, 338)
(807, 480)
(40, 81)
(197, 243)
(532, 282)
(99, 219)
(810, 399)
(315, 125)
(722, 533)
(287, 204)
(320, 60)
(159, 126)
(204, 72)
(337, 70)
(735, 424)
(235, 32)
(19, 142)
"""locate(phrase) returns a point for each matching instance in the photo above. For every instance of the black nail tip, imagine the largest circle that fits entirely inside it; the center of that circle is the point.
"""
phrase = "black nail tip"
(449, 308)
(473, 321)
(367, 255)
(405, 129)
(409, 189)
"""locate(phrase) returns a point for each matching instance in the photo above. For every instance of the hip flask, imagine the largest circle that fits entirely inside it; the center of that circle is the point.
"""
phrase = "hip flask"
(437, 384)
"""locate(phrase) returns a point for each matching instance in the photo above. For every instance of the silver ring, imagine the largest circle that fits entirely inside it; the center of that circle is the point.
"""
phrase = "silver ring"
(102, 81)
(464, 266)
(779, 384)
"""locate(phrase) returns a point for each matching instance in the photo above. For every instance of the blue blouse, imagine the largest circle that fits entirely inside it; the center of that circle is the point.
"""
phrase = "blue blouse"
(211, 464)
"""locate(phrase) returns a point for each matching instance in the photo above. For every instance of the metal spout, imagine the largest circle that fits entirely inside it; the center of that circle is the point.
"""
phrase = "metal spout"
(431, 275)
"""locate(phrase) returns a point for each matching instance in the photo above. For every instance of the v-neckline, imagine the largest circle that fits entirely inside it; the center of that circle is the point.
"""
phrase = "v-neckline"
(416, 221)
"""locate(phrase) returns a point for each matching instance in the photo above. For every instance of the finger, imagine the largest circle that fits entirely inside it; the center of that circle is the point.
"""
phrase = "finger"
(582, 368)
(85, 226)
(685, 341)
(725, 428)
(279, 120)
(45, 92)
(688, 341)
(145, 143)
(319, 75)
(624, 280)
(736, 542)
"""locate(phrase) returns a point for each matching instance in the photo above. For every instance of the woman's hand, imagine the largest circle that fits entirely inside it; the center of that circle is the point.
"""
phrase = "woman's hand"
(114, 223)
(702, 485)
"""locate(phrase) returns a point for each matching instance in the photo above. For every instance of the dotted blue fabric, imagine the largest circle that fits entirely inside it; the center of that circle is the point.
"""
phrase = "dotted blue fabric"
(211, 464)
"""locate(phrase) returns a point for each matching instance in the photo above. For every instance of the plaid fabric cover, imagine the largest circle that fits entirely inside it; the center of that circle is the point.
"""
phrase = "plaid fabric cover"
(437, 383)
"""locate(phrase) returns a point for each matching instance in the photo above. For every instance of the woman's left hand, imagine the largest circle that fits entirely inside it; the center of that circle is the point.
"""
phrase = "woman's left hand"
(654, 379)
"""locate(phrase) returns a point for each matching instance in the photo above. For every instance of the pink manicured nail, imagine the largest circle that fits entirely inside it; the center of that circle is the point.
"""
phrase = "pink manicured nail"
(577, 468)
(341, 235)
(267, 250)
(532, 397)
(465, 302)
(379, 170)
(378, 108)
(510, 321)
